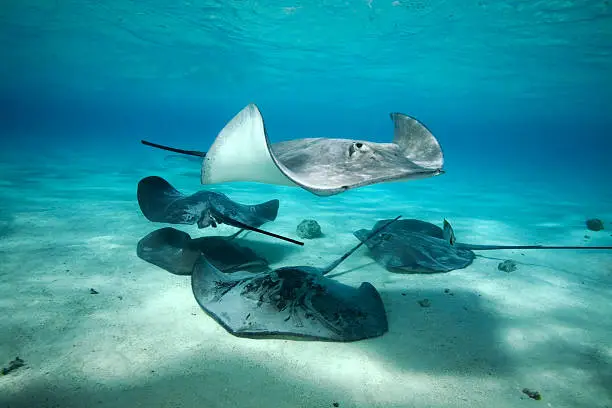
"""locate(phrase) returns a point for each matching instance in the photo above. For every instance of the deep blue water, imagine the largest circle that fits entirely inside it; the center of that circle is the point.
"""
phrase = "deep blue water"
(504, 85)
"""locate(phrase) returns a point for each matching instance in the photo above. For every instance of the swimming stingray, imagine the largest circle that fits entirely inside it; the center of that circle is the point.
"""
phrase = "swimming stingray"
(242, 152)
(176, 252)
(160, 202)
(415, 246)
(291, 301)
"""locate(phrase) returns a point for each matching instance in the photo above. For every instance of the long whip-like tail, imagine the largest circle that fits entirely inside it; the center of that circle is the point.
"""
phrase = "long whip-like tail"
(270, 234)
(493, 247)
(173, 149)
(337, 262)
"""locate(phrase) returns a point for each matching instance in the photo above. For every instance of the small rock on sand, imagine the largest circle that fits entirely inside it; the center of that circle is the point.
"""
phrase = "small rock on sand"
(532, 394)
(13, 365)
(425, 303)
(595, 224)
(309, 229)
(507, 266)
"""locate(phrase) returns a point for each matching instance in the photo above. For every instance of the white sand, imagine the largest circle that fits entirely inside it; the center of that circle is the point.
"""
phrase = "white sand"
(144, 342)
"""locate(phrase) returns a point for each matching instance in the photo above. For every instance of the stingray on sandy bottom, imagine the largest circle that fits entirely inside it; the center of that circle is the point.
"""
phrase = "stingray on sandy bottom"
(415, 246)
(322, 166)
(292, 301)
(160, 202)
(176, 252)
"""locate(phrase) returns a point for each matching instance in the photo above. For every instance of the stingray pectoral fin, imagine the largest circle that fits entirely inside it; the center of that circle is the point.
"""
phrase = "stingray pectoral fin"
(154, 195)
(371, 302)
(169, 249)
(241, 152)
(268, 210)
(232, 303)
(160, 202)
(417, 142)
(347, 313)
(210, 287)
(362, 234)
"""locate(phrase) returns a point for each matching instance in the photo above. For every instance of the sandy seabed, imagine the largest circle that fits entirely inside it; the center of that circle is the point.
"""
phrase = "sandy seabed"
(69, 225)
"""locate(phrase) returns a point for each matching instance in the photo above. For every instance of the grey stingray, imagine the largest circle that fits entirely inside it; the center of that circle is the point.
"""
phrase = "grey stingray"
(160, 202)
(322, 166)
(292, 301)
(176, 252)
(415, 246)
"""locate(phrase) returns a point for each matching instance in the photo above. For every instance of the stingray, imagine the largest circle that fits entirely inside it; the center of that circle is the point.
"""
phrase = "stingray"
(291, 301)
(160, 202)
(176, 252)
(415, 246)
(322, 166)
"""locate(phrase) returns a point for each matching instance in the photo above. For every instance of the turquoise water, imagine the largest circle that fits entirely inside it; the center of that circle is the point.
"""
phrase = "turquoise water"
(505, 78)
(519, 95)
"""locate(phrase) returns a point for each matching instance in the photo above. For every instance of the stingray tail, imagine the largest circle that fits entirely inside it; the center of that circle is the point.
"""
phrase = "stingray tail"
(234, 235)
(206, 279)
(337, 262)
(242, 225)
(449, 236)
(475, 247)
(175, 150)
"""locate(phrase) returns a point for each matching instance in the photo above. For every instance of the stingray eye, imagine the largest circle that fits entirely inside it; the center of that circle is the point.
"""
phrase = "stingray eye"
(356, 147)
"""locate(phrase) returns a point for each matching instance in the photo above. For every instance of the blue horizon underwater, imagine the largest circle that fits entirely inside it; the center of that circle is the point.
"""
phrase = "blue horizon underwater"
(128, 282)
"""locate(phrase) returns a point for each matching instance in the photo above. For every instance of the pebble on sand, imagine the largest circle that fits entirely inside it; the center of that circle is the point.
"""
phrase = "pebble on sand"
(595, 224)
(532, 394)
(13, 365)
(507, 266)
(309, 229)
(424, 303)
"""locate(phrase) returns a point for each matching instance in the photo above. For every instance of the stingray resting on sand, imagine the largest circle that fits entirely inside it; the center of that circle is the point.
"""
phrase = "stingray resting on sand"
(292, 301)
(322, 166)
(415, 246)
(176, 252)
(160, 202)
